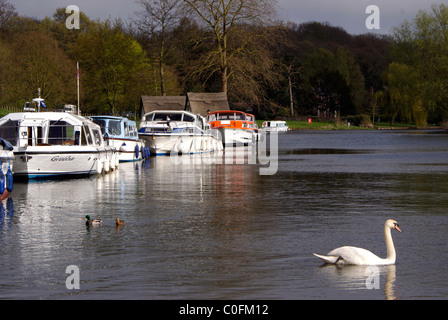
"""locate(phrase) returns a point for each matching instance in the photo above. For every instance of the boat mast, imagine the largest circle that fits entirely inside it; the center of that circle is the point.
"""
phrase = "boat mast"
(38, 100)
(77, 80)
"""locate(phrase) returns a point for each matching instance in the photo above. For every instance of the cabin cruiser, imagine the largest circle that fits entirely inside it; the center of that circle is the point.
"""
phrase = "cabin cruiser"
(169, 132)
(235, 127)
(279, 126)
(122, 134)
(54, 144)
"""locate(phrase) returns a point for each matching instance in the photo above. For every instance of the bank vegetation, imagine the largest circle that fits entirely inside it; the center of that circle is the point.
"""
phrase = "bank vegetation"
(273, 68)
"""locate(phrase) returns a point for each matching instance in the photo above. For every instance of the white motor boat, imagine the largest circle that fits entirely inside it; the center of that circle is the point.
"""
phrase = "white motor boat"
(236, 128)
(169, 132)
(122, 134)
(279, 126)
(54, 144)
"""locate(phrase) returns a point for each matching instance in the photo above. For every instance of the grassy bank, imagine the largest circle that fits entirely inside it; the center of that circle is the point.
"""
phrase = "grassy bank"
(335, 125)
(315, 125)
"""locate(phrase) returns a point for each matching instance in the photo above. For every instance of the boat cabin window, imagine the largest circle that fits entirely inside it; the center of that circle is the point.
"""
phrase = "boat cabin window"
(223, 116)
(9, 131)
(126, 129)
(230, 116)
(101, 123)
(188, 118)
(134, 131)
(167, 117)
(96, 136)
(114, 127)
(86, 137)
(60, 132)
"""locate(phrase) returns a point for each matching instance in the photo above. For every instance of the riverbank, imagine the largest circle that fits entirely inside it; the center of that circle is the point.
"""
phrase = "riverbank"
(335, 125)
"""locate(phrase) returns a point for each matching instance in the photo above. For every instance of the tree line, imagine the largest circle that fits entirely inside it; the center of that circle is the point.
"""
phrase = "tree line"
(275, 68)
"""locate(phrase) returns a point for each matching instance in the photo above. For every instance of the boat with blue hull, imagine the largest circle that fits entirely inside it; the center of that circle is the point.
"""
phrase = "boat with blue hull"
(122, 134)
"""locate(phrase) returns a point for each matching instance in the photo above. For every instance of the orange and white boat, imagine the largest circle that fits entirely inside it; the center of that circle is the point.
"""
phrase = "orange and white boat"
(235, 127)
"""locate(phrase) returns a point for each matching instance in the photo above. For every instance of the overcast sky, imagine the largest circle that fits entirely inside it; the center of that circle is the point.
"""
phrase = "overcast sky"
(348, 14)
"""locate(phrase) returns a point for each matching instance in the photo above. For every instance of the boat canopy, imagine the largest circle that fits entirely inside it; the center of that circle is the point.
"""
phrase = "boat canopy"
(172, 118)
(116, 127)
(230, 115)
(49, 128)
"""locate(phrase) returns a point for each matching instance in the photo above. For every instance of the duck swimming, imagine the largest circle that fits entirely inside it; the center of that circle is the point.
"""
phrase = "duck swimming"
(119, 222)
(92, 222)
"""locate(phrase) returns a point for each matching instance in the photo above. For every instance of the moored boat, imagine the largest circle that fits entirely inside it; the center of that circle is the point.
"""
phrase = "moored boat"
(122, 134)
(55, 144)
(235, 127)
(169, 132)
(279, 126)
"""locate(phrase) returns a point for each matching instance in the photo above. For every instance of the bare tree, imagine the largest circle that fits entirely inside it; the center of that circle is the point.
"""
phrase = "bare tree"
(7, 11)
(291, 70)
(157, 19)
(223, 18)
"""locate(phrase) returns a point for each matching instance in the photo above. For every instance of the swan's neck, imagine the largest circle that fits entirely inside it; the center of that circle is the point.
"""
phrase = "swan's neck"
(389, 245)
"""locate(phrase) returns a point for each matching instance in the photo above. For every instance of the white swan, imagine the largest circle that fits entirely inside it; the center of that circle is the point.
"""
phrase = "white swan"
(359, 256)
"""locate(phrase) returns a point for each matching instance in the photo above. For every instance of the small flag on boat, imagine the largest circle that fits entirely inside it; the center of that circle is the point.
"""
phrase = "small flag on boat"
(77, 70)
(42, 104)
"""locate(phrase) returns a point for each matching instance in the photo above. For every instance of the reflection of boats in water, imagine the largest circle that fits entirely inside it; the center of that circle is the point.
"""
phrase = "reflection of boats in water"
(177, 132)
(53, 144)
(6, 210)
(6, 167)
(122, 134)
(236, 127)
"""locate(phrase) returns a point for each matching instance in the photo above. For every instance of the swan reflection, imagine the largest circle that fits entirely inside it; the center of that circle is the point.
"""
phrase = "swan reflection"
(353, 277)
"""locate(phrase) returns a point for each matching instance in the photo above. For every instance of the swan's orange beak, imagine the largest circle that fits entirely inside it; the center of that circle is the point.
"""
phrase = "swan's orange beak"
(397, 228)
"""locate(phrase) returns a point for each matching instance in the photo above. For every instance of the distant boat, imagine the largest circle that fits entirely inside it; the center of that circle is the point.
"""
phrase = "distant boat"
(122, 134)
(279, 126)
(55, 144)
(169, 132)
(235, 127)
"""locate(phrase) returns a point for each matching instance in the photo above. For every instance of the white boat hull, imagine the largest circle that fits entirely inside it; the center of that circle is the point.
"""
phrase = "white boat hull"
(45, 162)
(238, 137)
(274, 129)
(126, 149)
(167, 144)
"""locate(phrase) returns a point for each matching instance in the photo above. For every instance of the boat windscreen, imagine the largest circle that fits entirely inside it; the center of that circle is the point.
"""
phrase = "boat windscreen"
(167, 117)
(9, 131)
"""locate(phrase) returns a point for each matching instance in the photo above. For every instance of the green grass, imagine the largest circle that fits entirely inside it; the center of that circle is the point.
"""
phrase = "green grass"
(333, 125)
(314, 125)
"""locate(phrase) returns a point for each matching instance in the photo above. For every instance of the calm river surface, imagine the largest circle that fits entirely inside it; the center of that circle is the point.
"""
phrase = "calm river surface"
(205, 229)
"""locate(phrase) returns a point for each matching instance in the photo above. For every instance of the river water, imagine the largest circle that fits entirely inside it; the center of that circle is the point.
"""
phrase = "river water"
(209, 228)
